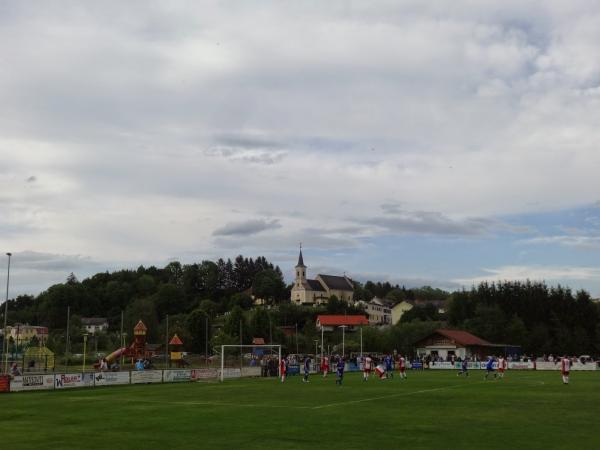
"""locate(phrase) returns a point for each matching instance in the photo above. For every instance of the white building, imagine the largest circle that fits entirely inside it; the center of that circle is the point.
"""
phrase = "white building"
(94, 325)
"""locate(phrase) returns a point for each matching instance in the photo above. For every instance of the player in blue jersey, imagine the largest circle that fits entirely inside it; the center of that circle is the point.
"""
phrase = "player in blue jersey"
(340, 371)
(389, 366)
(464, 368)
(306, 369)
(489, 368)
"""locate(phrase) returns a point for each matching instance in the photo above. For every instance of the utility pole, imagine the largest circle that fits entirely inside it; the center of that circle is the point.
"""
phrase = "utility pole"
(67, 338)
(167, 343)
(122, 340)
(206, 341)
(5, 337)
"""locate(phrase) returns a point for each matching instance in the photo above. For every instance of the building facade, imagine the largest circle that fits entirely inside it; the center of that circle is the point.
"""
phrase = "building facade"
(94, 325)
(319, 290)
(377, 312)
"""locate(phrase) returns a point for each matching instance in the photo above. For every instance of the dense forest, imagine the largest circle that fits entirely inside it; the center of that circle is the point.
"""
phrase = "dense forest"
(219, 294)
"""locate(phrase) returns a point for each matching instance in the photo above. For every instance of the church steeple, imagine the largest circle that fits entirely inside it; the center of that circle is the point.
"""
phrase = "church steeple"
(300, 259)
(300, 270)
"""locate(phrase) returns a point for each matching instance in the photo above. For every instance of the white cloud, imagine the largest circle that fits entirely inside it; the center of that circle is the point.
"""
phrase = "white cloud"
(551, 274)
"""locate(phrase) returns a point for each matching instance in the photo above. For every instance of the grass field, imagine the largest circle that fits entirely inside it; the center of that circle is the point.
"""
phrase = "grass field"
(526, 410)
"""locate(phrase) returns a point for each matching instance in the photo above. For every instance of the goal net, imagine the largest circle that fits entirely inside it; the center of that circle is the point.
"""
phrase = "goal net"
(249, 360)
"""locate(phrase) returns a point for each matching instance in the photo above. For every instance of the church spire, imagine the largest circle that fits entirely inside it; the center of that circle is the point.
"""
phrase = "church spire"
(300, 259)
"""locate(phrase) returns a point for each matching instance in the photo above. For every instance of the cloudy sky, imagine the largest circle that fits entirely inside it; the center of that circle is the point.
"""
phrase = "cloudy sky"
(436, 143)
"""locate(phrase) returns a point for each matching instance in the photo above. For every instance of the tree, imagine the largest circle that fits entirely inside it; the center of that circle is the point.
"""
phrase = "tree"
(268, 285)
(232, 324)
(260, 323)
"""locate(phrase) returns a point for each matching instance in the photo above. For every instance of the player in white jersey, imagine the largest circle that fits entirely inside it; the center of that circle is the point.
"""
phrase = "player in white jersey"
(502, 366)
(367, 368)
(565, 368)
(402, 367)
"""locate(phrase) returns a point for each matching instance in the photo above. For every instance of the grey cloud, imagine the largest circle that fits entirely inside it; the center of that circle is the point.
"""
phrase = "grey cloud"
(576, 241)
(247, 228)
(427, 222)
(255, 156)
(31, 179)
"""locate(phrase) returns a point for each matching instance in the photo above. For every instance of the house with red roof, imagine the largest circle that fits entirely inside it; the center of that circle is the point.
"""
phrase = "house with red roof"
(331, 322)
(445, 343)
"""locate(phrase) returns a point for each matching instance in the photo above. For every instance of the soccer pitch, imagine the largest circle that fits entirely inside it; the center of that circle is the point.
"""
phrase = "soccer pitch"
(526, 410)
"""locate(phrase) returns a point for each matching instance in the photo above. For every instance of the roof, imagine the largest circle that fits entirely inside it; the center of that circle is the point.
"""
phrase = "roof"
(140, 328)
(258, 341)
(337, 320)
(175, 340)
(337, 283)
(315, 285)
(94, 320)
(300, 260)
(462, 337)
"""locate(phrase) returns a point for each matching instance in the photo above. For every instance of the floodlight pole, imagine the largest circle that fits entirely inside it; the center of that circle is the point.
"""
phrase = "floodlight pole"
(343, 327)
(321, 344)
(361, 343)
(5, 337)
(85, 336)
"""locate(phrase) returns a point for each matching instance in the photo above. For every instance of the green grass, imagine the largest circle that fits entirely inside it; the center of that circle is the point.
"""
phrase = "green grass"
(526, 410)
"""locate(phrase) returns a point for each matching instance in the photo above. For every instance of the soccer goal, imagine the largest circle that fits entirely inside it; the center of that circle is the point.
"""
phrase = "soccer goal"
(249, 360)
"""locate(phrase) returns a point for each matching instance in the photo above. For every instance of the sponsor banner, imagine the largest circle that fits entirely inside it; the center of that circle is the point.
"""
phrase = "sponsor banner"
(111, 378)
(441, 365)
(204, 374)
(232, 373)
(176, 375)
(471, 365)
(518, 365)
(146, 376)
(293, 369)
(546, 365)
(32, 383)
(252, 372)
(73, 380)
(4, 383)
(416, 365)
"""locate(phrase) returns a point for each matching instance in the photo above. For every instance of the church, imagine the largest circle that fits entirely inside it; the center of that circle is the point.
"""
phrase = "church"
(319, 290)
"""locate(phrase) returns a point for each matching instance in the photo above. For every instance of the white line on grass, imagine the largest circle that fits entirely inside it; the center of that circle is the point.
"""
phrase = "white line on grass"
(400, 394)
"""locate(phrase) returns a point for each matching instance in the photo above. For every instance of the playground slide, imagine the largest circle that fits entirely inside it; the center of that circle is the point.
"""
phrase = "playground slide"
(116, 354)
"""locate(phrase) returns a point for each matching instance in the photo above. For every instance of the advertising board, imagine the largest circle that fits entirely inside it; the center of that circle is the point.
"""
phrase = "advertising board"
(204, 374)
(73, 380)
(177, 375)
(146, 376)
(111, 378)
(32, 383)
(232, 373)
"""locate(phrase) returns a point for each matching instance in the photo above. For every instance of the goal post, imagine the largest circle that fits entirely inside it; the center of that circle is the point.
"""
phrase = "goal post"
(236, 356)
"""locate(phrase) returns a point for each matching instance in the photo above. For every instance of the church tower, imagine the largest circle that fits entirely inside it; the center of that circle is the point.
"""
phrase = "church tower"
(300, 271)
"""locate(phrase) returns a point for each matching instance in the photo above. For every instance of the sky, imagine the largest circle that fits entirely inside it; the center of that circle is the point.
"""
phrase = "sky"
(421, 143)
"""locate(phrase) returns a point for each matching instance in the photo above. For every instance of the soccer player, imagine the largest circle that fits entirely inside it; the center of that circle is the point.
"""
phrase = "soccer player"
(402, 367)
(565, 367)
(367, 367)
(325, 366)
(282, 369)
(340, 371)
(502, 365)
(389, 366)
(306, 369)
(489, 368)
(464, 368)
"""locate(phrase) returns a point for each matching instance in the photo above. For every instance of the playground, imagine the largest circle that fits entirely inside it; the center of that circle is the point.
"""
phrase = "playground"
(433, 409)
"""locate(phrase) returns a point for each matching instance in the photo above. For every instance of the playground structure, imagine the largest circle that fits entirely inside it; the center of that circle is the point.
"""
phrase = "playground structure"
(137, 349)
(176, 355)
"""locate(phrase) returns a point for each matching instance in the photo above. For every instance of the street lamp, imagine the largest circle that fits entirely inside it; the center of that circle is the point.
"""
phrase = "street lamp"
(316, 346)
(5, 340)
(343, 327)
(85, 336)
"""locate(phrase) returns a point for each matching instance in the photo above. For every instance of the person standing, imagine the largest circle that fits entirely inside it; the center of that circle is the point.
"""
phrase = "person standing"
(402, 367)
(367, 367)
(502, 365)
(389, 366)
(282, 369)
(565, 368)
(340, 371)
(325, 366)
(306, 369)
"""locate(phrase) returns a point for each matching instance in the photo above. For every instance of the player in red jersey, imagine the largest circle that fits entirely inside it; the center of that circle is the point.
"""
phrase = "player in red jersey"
(502, 366)
(402, 367)
(325, 366)
(282, 369)
(565, 368)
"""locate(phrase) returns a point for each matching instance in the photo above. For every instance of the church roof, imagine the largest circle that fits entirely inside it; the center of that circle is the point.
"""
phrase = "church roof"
(315, 285)
(337, 283)
(300, 260)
